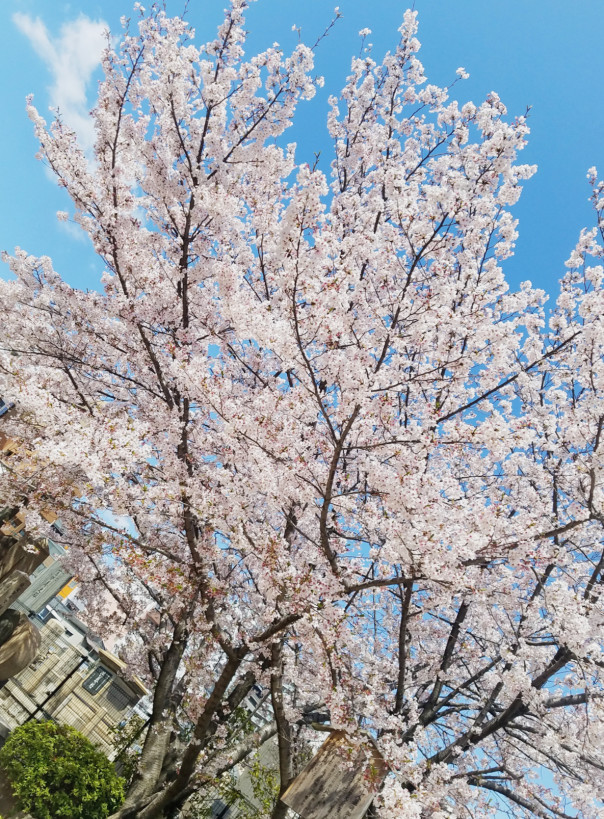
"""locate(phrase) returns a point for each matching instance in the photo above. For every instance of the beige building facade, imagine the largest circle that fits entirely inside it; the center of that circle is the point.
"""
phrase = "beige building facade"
(72, 678)
(79, 685)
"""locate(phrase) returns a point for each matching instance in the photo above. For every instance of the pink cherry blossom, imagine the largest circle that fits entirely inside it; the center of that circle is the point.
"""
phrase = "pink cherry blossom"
(308, 437)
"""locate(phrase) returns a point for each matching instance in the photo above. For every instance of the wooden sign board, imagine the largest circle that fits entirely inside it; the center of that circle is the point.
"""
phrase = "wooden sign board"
(339, 782)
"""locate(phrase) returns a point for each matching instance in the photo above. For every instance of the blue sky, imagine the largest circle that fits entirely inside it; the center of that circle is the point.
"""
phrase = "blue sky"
(546, 54)
(541, 53)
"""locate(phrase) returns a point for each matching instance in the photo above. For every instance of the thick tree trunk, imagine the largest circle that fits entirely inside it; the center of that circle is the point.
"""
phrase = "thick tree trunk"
(155, 806)
(159, 732)
(284, 732)
(280, 810)
(151, 763)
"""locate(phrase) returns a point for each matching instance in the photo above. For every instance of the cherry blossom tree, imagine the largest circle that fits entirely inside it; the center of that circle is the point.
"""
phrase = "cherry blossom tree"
(318, 443)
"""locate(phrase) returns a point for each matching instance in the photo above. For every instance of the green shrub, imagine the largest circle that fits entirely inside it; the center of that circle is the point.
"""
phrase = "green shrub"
(56, 773)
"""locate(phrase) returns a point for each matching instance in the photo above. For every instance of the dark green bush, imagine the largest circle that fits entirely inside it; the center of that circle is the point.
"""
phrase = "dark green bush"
(56, 773)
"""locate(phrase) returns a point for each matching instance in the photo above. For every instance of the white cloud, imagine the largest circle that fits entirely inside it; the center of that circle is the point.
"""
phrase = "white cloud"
(73, 230)
(71, 58)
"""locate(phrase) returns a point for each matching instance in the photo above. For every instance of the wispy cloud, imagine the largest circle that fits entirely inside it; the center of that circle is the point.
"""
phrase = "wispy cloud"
(73, 230)
(71, 58)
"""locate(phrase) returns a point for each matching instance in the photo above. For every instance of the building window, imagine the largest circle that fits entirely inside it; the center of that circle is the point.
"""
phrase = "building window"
(44, 614)
(219, 809)
(97, 680)
(118, 697)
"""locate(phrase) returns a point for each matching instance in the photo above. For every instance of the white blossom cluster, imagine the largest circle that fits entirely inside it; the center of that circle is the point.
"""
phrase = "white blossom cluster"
(310, 427)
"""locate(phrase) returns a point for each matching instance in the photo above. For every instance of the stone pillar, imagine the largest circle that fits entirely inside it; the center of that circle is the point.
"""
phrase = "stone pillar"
(15, 557)
(21, 647)
(11, 587)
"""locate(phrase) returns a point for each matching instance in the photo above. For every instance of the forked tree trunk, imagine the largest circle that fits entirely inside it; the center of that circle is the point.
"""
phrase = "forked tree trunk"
(151, 803)
(157, 740)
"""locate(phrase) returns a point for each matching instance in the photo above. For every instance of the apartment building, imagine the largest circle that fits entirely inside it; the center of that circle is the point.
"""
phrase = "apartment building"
(73, 679)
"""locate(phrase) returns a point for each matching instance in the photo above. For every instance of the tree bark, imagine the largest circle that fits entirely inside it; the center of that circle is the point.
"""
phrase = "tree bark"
(158, 735)
(154, 806)
(284, 730)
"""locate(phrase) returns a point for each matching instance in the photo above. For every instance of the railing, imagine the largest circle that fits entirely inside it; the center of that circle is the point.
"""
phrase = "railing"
(53, 687)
